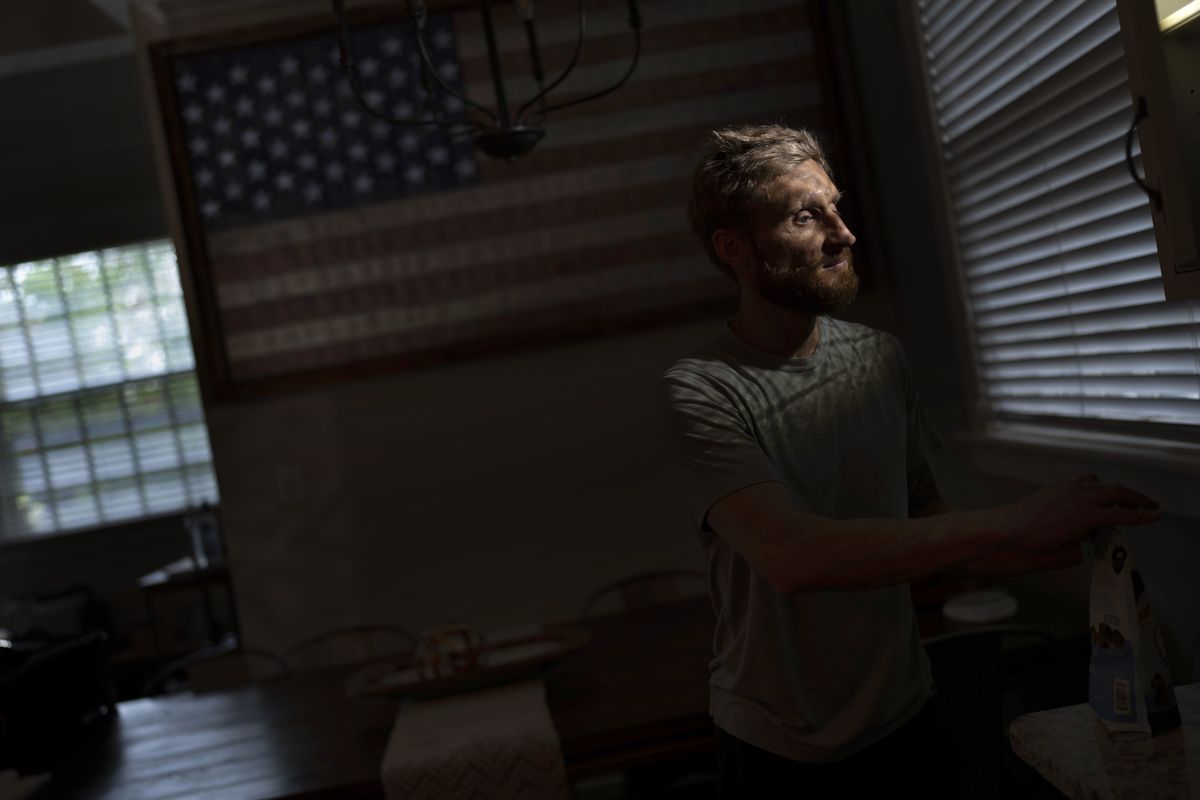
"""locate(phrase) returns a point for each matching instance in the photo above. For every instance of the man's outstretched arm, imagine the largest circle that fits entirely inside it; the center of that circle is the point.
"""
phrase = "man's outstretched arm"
(804, 552)
(925, 499)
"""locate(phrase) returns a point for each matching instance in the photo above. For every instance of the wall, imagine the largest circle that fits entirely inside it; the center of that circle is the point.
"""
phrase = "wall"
(494, 492)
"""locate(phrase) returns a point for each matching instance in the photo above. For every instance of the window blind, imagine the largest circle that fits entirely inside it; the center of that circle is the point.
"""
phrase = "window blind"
(1055, 242)
(100, 413)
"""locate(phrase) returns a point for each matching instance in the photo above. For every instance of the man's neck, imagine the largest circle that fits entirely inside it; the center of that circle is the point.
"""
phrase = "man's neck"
(779, 331)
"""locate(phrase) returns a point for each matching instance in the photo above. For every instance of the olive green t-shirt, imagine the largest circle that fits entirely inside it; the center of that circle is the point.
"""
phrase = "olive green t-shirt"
(811, 676)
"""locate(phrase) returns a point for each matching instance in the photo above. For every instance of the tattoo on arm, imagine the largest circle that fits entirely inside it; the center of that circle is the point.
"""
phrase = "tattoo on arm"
(922, 489)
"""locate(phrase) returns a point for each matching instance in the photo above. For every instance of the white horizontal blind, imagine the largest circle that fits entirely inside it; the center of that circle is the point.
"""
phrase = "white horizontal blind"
(100, 414)
(1056, 242)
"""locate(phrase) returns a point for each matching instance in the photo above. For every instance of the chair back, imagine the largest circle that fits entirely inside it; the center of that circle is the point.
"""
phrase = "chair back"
(353, 645)
(221, 666)
(645, 589)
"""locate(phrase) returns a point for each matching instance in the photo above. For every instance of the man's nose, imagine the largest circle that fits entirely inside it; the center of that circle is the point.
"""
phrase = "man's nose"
(839, 234)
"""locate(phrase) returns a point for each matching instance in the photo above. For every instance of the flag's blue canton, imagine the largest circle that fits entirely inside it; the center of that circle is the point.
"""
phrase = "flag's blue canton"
(273, 131)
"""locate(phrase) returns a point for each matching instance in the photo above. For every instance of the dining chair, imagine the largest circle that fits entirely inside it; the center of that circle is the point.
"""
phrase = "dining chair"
(352, 645)
(646, 589)
(680, 777)
(223, 665)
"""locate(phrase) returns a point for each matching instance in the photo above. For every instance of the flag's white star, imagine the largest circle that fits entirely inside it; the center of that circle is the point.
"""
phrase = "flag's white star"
(368, 66)
(186, 82)
(215, 93)
(284, 181)
(262, 201)
(443, 39)
(307, 161)
(295, 99)
(375, 98)
(465, 167)
(238, 74)
(351, 119)
(386, 162)
(343, 89)
(250, 138)
(410, 141)
(193, 113)
(233, 190)
(301, 129)
(289, 65)
(402, 110)
(363, 183)
(448, 70)
(439, 155)
(222, 125)
(257, 170)
(318, 74)
(312, 192)
(199, 145)
(380, 129)
(328, 137)
(204, 177)
(273, 115)
(335, 55)
(397, 77)
(358, 151)
(266, 85)
(211, 208)
(279, 148)
(322, 106)
(391, 46)
(227, 158)
(335, 171)
(245, 106)
(414, 174)
(452, 104)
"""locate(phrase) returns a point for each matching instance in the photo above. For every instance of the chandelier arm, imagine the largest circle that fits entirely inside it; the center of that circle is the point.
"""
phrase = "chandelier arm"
(356, 89)
(427, 62)
(347, 59)
(541, 96)
(637, 50)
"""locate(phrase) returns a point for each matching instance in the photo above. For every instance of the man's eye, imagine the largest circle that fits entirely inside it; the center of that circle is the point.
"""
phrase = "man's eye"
(803, 218)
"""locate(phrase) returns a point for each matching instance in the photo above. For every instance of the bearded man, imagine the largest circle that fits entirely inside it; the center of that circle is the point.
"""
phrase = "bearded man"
(804, 446)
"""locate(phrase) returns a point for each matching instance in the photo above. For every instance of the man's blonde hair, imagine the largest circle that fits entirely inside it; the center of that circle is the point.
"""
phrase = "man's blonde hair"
(738, 164)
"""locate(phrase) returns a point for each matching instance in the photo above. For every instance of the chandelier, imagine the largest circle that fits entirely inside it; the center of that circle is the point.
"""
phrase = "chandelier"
(503, 135)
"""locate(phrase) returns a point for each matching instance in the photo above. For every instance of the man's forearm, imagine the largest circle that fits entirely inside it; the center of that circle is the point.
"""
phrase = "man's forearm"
(825, 554)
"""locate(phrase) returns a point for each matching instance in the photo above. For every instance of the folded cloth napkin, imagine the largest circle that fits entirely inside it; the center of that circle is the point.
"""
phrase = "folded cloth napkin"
(496, 743)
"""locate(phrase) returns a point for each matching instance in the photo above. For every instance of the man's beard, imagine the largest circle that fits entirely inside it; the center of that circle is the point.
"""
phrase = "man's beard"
(803, 288)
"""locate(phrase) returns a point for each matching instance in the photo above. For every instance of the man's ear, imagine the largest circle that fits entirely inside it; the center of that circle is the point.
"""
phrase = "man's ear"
(731, 246)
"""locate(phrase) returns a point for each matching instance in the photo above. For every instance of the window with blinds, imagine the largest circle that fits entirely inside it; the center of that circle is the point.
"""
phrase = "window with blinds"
(1055, 242)
(100, 413)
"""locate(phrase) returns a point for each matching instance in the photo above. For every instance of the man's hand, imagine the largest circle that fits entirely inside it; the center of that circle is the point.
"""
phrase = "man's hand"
(1064, 513)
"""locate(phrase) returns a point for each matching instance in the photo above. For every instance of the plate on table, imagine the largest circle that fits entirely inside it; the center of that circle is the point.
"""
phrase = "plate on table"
(499, 662)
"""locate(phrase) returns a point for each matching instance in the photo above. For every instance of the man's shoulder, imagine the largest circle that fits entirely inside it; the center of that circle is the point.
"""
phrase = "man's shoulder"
(860, 338)
(858, 332)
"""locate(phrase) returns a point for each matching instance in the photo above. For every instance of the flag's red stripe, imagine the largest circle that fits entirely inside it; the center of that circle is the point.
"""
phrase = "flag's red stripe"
(619, 47)
(455, 285)
(435, 345)
(641, 145)
(682, 87)
(334, 250)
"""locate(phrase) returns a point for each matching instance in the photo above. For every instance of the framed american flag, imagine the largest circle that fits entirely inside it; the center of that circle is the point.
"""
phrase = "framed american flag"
(319, 243)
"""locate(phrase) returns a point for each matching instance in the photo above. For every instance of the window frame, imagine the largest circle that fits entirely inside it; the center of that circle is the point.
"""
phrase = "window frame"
(1043, 451)
(77, 397)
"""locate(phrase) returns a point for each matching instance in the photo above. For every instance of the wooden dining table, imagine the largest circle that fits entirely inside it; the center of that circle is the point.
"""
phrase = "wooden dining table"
(636, 693)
